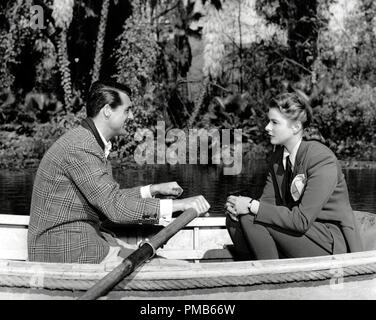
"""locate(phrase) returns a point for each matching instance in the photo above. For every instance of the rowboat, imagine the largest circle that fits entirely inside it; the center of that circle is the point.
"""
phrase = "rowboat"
(196, 263)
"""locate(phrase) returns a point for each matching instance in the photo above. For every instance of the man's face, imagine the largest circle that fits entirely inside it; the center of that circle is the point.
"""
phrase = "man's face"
(120, 114)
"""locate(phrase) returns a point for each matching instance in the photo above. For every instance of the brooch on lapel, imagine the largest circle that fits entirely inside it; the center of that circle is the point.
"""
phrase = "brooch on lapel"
(297, 186)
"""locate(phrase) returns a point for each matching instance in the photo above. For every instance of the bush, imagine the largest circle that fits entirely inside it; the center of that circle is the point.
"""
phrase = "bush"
(347, 120)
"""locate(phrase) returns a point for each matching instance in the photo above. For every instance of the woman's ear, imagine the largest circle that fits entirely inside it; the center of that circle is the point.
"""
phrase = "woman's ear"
(297, 127)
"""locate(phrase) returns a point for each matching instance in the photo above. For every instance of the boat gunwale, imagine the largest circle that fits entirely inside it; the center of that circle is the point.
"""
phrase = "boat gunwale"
(176, 269)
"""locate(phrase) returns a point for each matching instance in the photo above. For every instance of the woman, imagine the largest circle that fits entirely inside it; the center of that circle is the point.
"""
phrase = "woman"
(304, 210)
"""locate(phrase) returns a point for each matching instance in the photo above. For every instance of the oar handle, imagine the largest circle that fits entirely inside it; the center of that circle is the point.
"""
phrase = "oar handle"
(145, 252)
(166, 233)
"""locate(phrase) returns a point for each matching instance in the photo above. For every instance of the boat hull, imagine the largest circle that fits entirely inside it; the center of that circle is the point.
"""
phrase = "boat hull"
(169, 279)
(205, 241)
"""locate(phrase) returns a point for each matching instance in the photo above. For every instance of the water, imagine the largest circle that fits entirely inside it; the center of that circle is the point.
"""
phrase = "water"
(16, 186)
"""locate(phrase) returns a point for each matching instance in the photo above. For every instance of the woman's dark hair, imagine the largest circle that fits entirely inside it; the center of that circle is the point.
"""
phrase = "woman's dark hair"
(294, 106)
(104, 92)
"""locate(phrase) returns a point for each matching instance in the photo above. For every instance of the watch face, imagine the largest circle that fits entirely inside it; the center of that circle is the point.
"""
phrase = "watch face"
(250, 205)
(255, 207)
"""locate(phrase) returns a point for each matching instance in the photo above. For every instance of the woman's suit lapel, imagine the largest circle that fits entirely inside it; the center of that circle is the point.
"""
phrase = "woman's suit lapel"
(299, 160)
(298, 167)
(279, 172)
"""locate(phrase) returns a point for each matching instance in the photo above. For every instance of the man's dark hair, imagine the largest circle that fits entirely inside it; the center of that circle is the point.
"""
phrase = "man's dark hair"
(104, 92)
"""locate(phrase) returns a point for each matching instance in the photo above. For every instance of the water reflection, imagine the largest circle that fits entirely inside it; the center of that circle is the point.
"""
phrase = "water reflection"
(197, 179)
(362, 187)
(16, 186)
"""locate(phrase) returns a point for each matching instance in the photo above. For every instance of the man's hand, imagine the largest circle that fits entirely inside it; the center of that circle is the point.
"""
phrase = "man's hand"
(171, 189)
(198, 202)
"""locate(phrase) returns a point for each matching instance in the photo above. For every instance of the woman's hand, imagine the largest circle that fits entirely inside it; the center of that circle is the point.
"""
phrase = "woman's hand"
(230, 211)
(238, 204)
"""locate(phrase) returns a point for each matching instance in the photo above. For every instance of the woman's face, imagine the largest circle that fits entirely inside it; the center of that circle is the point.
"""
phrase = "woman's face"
(279, 128)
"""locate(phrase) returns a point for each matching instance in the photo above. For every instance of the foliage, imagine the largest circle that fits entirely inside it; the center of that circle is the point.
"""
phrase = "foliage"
(254, 68)
(100, 41)
(251, 50)
(14, 36)
(27, 130)
(63, 63)
(335, 69)
(62, 12)
(32, 113)
(136, 65)
(348, 118)
(345, 109)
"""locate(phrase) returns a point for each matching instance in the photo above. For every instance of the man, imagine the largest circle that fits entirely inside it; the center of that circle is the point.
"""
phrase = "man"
(74, 190)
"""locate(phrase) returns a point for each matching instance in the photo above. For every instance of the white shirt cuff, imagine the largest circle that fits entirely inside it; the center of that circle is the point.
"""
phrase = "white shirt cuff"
(255, 206)
(166, 211)
(145, 192)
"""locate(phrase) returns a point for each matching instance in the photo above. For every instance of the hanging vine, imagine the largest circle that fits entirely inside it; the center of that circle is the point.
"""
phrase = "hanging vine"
(100, 41)
(10, 46)
(199, 101)
(214, 51)
(63, 13)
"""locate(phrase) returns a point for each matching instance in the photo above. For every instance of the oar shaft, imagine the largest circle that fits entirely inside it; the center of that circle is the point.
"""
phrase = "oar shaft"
(139, 256)
(124, 269)
(166, 233)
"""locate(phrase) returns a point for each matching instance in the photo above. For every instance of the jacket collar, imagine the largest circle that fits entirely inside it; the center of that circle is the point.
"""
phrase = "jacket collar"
(291, 155)
(278, 168)
(278, 163)
(300, 156)
(88, 124)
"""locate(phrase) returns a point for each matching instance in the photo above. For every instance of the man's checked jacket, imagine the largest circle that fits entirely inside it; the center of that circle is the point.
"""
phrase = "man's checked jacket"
(73, 192)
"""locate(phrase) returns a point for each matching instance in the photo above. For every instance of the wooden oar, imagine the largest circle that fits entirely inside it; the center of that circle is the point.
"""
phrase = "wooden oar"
(133, 261)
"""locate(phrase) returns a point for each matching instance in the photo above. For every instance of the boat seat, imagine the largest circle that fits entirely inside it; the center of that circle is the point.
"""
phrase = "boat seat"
(13, 237)
(203, 239)
(191, 243)
(367, 224)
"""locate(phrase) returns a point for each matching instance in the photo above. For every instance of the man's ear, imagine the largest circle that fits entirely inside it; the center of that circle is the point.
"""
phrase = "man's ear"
(106, 111)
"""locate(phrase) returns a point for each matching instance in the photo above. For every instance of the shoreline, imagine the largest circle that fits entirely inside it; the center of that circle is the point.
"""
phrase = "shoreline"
(357, 164)
(351, 164)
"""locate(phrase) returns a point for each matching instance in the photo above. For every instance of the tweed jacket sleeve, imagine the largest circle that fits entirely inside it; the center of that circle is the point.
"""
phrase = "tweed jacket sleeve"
(89, 172)
(321, 182)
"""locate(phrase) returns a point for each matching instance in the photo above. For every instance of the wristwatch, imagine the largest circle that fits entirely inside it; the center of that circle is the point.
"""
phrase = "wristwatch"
(250, 205)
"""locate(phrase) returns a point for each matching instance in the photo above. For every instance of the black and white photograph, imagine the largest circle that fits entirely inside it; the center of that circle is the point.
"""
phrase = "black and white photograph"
(187, 156)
